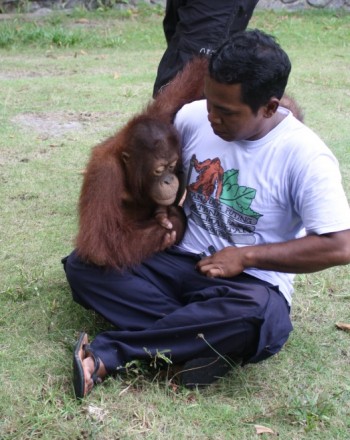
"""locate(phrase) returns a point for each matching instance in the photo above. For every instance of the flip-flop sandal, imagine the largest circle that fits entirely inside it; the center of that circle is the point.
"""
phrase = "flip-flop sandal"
(81, 350)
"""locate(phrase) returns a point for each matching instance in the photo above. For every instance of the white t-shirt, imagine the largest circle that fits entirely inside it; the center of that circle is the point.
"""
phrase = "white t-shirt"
(254, 192)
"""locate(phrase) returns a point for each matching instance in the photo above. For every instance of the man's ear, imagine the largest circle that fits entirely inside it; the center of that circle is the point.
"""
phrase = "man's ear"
(271, 107)
(125, 157)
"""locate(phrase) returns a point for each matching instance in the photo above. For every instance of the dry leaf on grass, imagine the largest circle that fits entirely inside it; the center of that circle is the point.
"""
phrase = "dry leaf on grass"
(260, 429)
(82, 21)
(343, 326)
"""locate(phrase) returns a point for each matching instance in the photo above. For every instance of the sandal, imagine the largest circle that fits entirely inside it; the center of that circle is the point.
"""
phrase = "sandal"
(81, 350)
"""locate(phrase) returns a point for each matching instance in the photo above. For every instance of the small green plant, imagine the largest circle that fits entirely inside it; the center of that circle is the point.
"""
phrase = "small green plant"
(113, 41)
(158, 359)
(201, 336)
(7, 36)
(28, 285)
(311, 410)
(61, 38)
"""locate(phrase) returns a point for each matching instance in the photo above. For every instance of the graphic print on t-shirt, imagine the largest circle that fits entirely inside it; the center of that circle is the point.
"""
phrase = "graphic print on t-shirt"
(219, 204)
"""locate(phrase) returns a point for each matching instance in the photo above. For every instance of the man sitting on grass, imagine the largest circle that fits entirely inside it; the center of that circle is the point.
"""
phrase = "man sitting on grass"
(264, 202)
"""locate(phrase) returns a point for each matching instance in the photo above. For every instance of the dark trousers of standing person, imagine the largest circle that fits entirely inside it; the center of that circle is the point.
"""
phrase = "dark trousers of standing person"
(166, 305)
(193, 27)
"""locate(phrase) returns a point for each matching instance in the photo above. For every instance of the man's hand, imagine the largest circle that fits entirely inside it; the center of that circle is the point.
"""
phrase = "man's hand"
(303, 255)
(225, 263)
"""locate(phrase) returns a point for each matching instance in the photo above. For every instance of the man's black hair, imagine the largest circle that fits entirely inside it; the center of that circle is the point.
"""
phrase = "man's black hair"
(257, 62)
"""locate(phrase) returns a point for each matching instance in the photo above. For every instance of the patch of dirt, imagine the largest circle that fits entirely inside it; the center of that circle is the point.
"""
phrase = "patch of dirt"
(18, 74)
(55, 71)
(58, 124)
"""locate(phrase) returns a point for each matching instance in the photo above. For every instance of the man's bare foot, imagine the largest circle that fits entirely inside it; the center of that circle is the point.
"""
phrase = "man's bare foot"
(90, 377)
(88, 369)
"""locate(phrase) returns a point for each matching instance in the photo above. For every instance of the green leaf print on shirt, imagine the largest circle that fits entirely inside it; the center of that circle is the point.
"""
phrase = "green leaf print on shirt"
(238, 197)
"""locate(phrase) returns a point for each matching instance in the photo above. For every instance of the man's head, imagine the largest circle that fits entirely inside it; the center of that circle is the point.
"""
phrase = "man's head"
(254, 60)
(247, 78)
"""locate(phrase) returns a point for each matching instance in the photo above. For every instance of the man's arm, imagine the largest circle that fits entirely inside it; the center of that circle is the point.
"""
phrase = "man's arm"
(303, 255)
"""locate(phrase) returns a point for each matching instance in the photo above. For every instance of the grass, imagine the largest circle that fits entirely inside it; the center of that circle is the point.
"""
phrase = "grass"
(67, 82)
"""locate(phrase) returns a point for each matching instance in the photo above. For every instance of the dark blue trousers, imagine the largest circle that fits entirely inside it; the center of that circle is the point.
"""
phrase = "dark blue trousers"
(166, 305)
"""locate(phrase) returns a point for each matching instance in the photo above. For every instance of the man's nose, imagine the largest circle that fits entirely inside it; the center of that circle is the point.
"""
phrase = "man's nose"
(213, 117)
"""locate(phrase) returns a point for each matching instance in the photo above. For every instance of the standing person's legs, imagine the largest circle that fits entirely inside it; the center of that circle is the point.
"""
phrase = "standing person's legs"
(195, 27)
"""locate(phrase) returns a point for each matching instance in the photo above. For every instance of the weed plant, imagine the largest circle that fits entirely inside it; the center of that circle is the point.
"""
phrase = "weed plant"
(67, 82)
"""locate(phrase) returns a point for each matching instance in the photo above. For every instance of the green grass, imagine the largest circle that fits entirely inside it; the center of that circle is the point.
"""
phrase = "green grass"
(67, 82)
(80, 28)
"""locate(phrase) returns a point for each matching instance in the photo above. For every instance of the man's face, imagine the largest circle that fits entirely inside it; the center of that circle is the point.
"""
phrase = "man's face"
(230, 118)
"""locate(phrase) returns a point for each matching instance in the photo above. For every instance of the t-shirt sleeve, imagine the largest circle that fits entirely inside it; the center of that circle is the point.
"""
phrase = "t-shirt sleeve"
(320, 198)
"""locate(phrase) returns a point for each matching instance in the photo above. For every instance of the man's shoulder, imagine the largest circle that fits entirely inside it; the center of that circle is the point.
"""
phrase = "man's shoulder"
(298, 135)
(191, 115)
(193, 109)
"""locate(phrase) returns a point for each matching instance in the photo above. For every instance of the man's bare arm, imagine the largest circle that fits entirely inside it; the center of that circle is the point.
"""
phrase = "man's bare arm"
(304, 255)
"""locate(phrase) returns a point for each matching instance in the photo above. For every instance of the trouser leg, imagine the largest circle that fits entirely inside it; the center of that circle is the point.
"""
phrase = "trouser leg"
(130, 301)
(179, 342)
(202, 329)
(187, 39)
(195, 314)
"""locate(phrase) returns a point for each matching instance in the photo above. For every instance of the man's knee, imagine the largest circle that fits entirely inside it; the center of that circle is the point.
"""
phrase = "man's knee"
(70, 266)
(275, 328)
